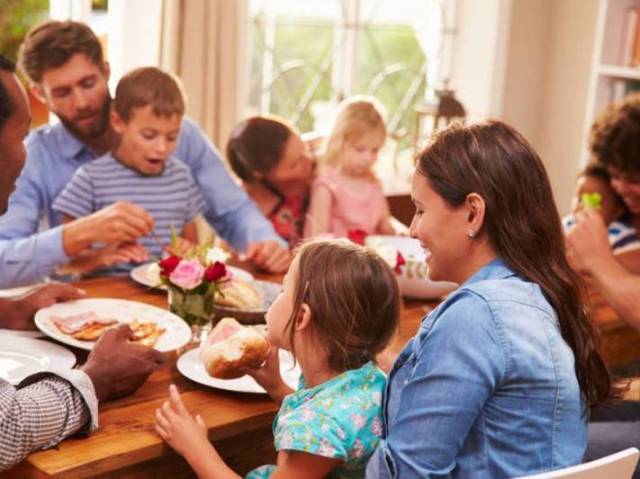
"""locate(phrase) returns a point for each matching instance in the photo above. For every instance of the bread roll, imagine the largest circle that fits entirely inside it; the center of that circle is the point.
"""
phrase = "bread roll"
(239, 294)
(231, 347)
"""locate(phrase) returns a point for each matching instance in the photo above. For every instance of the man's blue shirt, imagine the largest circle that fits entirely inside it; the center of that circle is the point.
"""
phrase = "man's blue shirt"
(30, 232)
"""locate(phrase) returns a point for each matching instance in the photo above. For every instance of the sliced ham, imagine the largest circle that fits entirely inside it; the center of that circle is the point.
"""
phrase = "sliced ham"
(77, 322)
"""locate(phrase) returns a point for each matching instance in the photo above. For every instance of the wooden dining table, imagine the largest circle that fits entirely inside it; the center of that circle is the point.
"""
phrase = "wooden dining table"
(239, 424)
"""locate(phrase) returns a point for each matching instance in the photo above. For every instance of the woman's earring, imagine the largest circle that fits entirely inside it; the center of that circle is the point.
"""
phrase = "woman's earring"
(471, 234)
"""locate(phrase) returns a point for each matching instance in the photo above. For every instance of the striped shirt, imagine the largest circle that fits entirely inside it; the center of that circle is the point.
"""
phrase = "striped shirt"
(622, 237)
(172, 198)
(43, 410)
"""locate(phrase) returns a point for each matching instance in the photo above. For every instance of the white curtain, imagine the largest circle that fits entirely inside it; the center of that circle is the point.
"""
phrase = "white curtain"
(205, 43)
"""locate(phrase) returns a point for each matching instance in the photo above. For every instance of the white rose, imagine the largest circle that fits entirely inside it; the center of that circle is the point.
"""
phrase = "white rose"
(217, 254)
(153, 273)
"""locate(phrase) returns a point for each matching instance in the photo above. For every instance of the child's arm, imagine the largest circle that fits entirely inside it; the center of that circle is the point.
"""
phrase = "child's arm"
(187, 240)
(190, 232)
(188, 436)
(268, 376)
(389, 225)
(318, 220)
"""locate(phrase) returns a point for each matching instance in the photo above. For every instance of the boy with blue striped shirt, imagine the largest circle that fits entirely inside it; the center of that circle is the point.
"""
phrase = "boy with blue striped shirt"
(147, 113)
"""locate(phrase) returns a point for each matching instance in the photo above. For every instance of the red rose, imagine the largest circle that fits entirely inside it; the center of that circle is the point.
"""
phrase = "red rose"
(357, 236)
(214, 272)
(167, 265)
(399, 262)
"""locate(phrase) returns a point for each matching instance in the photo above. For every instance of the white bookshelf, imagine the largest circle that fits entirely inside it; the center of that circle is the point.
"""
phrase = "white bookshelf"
(607, 74)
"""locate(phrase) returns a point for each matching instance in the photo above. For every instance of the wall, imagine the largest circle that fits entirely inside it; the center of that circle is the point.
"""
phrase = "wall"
(561, 129)
(526, 65)
(528, 62)
(477, 68)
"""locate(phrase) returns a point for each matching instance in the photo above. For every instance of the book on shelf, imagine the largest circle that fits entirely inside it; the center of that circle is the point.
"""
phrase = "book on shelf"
(629, 41)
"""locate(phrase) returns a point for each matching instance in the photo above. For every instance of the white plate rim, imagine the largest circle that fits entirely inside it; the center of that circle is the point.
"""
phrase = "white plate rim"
(62, 358)
(190, 366)
(181, 331)
(18, 290)
(19, 333)
(138, 274)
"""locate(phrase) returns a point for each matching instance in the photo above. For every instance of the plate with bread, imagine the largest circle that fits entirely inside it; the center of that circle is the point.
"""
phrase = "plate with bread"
(413, 277)
(149, 277)
(246, 301)
(80, 323)
(231, 347)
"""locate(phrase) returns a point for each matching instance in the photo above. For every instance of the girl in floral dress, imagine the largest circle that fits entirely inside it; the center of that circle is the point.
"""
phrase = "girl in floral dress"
(338, 309)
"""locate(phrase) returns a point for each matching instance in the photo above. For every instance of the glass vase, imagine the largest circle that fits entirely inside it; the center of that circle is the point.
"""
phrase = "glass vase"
(196, 309)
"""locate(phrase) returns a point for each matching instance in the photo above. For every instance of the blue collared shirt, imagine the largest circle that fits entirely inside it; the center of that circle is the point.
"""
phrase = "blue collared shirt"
(30, 231)
(486, 389)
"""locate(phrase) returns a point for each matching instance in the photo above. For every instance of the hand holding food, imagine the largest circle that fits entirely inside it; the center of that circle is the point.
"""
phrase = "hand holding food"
(231, 348)
(591, 200)
(118, 367)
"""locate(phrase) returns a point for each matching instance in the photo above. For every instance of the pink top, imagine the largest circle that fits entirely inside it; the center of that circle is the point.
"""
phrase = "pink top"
(352, 210)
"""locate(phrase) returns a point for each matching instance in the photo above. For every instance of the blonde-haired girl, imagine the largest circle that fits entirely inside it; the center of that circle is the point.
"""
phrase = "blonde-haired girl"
(347, 195)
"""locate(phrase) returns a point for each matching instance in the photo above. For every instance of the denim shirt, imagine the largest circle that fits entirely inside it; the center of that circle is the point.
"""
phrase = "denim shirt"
(30, 232)
(486, 389)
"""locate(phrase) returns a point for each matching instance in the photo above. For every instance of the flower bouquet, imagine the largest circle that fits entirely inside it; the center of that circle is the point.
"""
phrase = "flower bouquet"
(193, 281)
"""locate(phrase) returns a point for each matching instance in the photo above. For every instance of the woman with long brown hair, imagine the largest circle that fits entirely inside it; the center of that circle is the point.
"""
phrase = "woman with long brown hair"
(498, 379)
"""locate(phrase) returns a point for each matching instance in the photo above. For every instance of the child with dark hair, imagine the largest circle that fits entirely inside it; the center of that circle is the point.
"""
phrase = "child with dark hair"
(339, 308)
(594, 180)
(147, 113)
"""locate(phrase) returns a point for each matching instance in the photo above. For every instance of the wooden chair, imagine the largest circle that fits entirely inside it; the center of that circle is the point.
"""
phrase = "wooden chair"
(616, 466)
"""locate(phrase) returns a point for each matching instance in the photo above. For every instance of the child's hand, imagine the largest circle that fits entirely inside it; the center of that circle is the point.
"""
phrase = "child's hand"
(91, 259)
(186, 434)
(180, 247)
(268, 376)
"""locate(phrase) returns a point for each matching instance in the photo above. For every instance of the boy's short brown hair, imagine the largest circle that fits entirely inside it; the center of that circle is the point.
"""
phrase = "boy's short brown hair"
(149, 86)
(51, 44)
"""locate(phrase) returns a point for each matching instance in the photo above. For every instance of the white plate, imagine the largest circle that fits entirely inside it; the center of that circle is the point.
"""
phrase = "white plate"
(13, 333)
(190, 366)
(177, 332)
(139, 275)
(22, 357)
(19, 291)
(413, 280)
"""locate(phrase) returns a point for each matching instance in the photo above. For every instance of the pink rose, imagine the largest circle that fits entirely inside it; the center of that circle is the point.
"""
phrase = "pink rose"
(187, 275)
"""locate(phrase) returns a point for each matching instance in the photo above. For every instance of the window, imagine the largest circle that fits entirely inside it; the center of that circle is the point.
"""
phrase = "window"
(307, 56)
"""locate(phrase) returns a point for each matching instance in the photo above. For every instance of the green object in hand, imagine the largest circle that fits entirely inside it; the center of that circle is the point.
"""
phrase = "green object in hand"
(591, 200)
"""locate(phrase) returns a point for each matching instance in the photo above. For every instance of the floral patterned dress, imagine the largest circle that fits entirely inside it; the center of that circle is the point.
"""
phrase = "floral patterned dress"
(341, 418)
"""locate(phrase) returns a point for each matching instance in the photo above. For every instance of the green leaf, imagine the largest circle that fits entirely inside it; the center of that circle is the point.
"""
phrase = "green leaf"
(591, 200)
